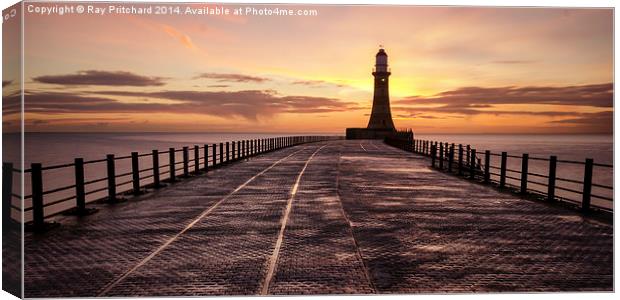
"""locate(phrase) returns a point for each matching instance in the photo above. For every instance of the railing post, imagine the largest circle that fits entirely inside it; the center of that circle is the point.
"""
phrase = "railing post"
(524, 171)
(37, 196)
(460, 159)
(587, 185)
(185, 161)
(196, 159)
(80, 196)
(553, 162)
(156, 182)
(433, 150)
(214, 156)
(135, 173)
(441, 156)
(221, 153)
(172, 164)
(451, 158)
(487, 166)
(206, 154)
(227, 152)
(467, 156)
(472, 164)
(111, 178)
(7, 193)
(233, 151)
(502, 172)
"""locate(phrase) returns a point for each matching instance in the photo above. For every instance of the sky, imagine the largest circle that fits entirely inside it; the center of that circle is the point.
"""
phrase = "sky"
(454, 70)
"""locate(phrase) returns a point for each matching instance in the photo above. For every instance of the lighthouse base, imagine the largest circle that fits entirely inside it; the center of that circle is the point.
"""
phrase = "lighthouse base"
(375, 134)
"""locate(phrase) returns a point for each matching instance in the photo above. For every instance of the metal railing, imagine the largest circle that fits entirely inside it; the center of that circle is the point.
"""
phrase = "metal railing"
(464, 161)
(202, 159)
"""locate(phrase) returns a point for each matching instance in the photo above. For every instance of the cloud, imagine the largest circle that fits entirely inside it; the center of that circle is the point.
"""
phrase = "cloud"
(595, 95)
(601, 122)
(11, 103)
(184, 39)
(513, 62)
(6, 82)
(227, 77)
(249, 104)
(316, 83)
(219, 85)
(411, 115)
(95, 77)
(472, 110)
(471, 101)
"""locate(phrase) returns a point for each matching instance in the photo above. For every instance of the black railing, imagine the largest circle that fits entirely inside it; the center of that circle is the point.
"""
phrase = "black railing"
(464, 161)
(156, 174)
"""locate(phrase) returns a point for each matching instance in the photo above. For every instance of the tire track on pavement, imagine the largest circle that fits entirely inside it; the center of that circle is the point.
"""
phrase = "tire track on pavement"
(204, 214)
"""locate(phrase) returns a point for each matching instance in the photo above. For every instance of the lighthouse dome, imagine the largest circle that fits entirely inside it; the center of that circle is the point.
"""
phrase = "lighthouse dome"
(381, 61)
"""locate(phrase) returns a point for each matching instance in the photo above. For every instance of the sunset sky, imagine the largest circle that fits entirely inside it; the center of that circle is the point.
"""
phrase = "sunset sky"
(454, 70)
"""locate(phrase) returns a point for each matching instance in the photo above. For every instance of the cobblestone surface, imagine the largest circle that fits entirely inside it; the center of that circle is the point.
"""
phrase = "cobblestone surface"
(366, 218)
(424, 231)
(319, 254)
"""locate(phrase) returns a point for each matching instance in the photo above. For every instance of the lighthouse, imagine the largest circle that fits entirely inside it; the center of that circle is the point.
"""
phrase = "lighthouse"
(380, 124)
(381, 117)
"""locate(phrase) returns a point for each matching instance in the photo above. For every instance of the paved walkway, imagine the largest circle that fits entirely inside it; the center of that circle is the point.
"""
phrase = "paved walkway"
(324, 218)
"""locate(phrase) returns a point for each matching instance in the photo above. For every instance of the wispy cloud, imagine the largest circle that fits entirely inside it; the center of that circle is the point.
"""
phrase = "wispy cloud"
(513, 62)
(502, 101)
(250, 104)
(596, 95)
(316, 83)
(230, 77)
(182, 38)
(96, 77)
(601, 122)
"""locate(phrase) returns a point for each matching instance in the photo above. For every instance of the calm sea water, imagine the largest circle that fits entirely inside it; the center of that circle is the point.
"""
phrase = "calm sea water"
(62, 148)
(565, 147)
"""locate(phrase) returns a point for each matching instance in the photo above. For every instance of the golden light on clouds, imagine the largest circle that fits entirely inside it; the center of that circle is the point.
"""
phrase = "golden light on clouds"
(453, 70)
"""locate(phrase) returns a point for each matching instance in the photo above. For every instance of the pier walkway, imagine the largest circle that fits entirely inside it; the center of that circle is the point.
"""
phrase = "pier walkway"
(321, 218)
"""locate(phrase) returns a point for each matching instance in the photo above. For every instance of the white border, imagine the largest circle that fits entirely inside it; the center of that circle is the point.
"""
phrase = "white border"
(508, 3)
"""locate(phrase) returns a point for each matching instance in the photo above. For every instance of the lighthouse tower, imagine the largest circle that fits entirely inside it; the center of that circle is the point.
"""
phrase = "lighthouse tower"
(381, 117)
(380, 125)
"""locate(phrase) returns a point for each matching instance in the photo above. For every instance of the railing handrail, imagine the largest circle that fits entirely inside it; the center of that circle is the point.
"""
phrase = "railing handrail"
(431, 148)
(240, 149)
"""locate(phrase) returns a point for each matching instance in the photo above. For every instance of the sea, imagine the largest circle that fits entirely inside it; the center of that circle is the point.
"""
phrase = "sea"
(61, 148)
